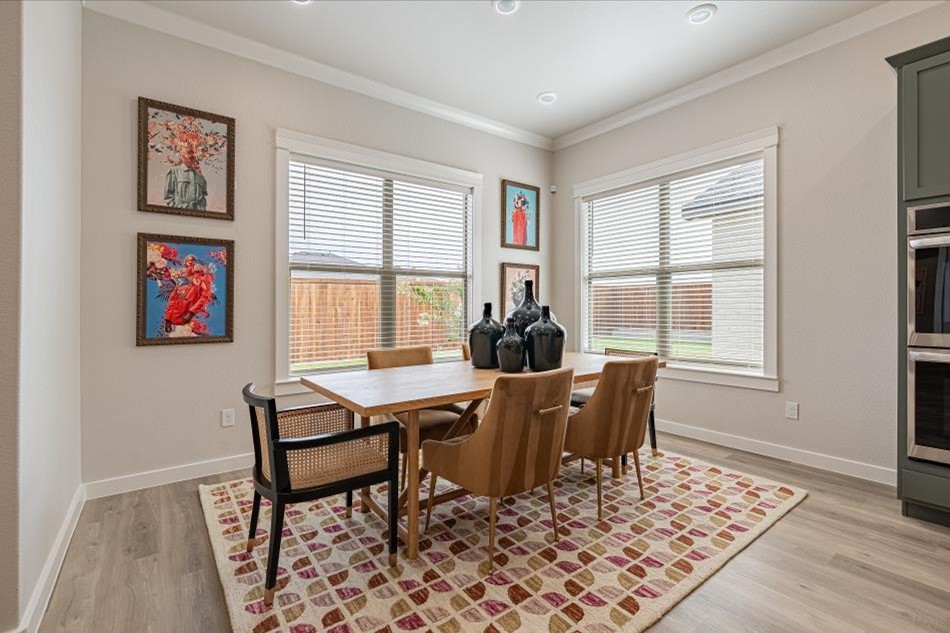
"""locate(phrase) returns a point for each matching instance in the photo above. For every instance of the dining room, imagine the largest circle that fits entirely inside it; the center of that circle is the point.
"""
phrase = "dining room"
(482, 315)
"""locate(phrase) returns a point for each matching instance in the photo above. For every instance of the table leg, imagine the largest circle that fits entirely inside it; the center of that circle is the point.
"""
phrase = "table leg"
(412, 464)
(364, 492)
(452, 432)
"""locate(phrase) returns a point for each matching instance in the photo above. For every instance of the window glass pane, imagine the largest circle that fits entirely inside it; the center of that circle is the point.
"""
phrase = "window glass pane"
(625, 231)
(334, 319)
(622, 314)
(429, 228)
(430, 311)
(336, 217)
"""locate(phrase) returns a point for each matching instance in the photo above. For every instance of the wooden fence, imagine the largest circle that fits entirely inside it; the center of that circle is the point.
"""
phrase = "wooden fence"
(339, 319)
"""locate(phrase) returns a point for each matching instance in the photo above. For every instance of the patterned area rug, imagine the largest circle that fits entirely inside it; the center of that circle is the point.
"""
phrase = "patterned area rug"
(624, 572)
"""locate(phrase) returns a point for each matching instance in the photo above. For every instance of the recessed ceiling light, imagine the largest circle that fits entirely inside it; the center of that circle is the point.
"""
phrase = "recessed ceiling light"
(701, 13)
(301, 1)
(506, 7)
(547, 98)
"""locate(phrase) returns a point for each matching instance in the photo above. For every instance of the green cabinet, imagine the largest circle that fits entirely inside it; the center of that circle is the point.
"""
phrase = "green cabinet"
(925, 123)
(923, 178)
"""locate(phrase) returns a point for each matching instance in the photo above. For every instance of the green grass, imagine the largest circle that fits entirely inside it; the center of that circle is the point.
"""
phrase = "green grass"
(682, 349)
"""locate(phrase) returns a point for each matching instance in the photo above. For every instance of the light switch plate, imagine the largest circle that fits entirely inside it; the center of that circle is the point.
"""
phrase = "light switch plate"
(227, 417)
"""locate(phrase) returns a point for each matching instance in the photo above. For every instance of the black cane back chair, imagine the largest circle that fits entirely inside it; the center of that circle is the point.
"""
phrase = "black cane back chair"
(307, 453)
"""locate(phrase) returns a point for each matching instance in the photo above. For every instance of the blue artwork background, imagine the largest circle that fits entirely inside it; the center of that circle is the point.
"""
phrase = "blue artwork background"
(511, 192)
(155, 305)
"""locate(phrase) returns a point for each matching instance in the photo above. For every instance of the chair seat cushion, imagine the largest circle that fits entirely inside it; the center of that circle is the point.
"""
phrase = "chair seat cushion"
(580, 397)
(433, 425)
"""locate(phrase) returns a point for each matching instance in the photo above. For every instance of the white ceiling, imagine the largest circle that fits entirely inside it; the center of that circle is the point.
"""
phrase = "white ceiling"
(600, 57)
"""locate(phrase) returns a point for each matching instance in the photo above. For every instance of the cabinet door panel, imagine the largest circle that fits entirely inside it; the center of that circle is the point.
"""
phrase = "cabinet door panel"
(925, 119)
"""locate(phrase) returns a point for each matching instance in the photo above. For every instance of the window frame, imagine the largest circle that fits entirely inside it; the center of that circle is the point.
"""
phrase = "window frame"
(288, 144)
(762, 143)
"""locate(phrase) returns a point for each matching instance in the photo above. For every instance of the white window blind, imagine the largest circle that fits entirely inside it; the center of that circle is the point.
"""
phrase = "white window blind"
(376, 260)
(676, 267)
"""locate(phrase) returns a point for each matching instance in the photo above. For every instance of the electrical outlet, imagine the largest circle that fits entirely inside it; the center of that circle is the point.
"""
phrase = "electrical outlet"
(227, 417)
(791, 410)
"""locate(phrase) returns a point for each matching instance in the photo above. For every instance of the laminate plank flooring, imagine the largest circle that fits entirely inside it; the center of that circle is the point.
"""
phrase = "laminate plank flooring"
(844, 560)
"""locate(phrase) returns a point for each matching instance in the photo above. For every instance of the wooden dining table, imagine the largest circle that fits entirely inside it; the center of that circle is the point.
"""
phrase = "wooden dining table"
(384, 392)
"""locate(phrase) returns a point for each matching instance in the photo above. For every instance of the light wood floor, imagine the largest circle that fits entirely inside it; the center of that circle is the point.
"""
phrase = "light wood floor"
(844, 560)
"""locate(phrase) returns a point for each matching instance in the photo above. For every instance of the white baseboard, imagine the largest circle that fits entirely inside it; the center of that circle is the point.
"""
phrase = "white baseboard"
(840, 465)
(150, 478)
(36, 607)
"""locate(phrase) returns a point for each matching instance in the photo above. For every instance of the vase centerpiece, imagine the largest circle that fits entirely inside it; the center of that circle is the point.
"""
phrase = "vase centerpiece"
(544, 342)
(483, 339)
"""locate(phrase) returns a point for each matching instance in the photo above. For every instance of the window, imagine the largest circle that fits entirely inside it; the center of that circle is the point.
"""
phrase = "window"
(676, 265)
(373, 259)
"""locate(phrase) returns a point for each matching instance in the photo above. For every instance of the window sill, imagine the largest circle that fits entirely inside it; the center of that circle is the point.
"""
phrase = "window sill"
(725, 377)
(290, 387)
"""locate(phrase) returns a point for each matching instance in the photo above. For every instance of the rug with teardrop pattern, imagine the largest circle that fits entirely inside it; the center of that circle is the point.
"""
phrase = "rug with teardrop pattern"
(623, 572)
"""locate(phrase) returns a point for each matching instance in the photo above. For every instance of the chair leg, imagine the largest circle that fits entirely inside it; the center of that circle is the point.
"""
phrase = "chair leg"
(553, 509)
(255, 513)
(636, 463)
(349, 503)
(652, 427)
(433, 479)
(492, 509)
(582, 465)
(623, 464)
(403, 470)
(597, 465)
(273, 551)
(393, 516)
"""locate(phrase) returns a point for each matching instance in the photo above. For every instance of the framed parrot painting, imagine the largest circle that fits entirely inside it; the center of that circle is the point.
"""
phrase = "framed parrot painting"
(185, 290)
(186, 161)
(520, 215)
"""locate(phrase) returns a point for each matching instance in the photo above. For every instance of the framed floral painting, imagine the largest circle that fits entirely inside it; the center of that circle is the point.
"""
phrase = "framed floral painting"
(185, 290)
(520, 215)
(186, 161)
(513, 277)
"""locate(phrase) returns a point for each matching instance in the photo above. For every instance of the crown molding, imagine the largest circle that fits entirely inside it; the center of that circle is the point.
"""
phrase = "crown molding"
(164, 21)
(854, 26)
(158, 19)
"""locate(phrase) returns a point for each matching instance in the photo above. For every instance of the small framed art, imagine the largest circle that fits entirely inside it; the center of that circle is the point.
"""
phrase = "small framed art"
(520, 215)
(513, 277)
(186, 161)
(185, 290)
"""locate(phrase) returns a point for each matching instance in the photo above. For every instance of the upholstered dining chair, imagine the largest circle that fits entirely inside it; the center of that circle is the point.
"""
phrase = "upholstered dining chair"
(516, 448)
(580, 397)
(614, 421)
(308, 453)
(434, 423)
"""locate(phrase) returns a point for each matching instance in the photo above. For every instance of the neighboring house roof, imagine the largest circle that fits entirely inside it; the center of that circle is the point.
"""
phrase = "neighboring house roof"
(739, 189)
(321, 259)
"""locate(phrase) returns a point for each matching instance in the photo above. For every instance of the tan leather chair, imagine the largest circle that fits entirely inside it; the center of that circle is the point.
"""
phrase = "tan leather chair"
(614, 421)
(580, 397)
(434, 423)
(516, 448)
(466, 352)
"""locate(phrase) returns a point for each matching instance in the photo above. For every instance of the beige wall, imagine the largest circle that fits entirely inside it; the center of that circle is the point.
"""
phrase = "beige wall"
(50, 437)
(10, 18)
(837, 240)
(150, 408)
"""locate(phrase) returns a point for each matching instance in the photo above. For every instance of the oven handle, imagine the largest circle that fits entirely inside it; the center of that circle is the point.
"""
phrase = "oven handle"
(928, 242)
(928, 357)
